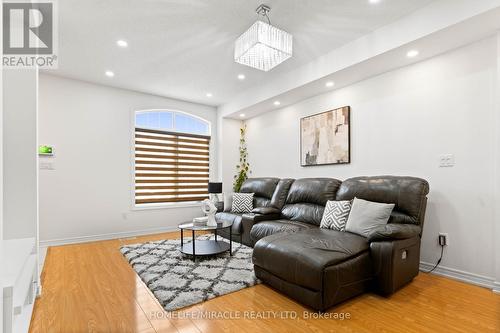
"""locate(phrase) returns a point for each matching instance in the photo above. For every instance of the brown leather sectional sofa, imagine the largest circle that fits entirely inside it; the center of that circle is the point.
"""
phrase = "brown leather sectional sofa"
(323, 267)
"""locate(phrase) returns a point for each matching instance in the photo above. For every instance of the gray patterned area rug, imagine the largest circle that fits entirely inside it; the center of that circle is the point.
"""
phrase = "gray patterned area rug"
(177, 281)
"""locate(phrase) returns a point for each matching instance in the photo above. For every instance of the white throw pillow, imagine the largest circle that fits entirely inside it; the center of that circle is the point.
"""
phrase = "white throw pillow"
(242, 203)
(335, 215)
(367, 215)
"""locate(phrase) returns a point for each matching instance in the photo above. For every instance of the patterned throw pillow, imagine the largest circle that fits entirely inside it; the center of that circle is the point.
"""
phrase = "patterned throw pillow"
(335, 215)
(242, 203)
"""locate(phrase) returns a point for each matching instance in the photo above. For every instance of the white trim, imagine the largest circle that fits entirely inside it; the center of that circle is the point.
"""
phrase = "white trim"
(37, 159)
(479, 280)
(168, 205)
(496, 175)
(114, 235)
(496, 287)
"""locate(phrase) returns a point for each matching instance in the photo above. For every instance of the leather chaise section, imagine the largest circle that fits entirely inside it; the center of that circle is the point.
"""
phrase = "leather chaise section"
(346, 280)
(312, 298)
(301, 258)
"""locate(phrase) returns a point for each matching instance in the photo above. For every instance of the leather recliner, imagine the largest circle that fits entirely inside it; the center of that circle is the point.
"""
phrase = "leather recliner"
(269, 197)
(323, 267)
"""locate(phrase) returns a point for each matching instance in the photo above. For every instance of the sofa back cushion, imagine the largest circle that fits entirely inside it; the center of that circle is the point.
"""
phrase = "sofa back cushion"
(307, 198)
(262, 187)
(280, 194)
(409, 194)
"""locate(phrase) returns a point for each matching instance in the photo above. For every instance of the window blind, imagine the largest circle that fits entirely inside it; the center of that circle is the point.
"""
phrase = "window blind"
(170, 167)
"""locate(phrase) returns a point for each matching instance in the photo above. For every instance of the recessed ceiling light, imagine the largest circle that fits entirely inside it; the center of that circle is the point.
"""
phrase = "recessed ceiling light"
(109, 73)
(329, 84)
(241, 76)
(209, 94)
(121, 43)
(412, 54)
(242, 115)
(374, 1)
(276, 103)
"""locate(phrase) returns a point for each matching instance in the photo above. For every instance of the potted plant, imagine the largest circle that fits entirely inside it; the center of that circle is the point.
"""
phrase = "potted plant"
(243, 168)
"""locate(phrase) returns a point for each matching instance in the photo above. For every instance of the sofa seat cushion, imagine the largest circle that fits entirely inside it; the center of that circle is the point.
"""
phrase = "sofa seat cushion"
(301, 258)
(230, 217)
(266, 228)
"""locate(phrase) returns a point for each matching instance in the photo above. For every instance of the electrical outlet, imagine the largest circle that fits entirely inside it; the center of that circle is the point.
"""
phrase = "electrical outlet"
(446, 160)
(443, 239)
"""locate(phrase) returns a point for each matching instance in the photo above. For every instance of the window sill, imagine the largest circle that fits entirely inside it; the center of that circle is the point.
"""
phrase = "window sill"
(168, 206)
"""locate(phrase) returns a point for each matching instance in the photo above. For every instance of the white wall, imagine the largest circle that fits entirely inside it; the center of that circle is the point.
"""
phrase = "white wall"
(229, 155)
(90, 191)
(20, 175)
(401, 122)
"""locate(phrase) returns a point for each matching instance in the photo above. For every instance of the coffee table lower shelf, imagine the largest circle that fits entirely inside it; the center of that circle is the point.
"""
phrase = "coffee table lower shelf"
(205, 247)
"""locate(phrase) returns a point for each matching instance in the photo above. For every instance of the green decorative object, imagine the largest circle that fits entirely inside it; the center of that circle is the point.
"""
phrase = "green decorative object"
(243, 168)
(45, 150)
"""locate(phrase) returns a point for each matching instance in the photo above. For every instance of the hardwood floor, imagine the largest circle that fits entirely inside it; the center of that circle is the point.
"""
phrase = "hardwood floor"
(91, 288)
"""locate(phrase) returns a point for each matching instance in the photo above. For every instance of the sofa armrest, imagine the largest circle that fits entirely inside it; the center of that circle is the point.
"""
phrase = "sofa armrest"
(247, 222)
(395, 263)
(266, 210)
(393, 231)
(259, 217)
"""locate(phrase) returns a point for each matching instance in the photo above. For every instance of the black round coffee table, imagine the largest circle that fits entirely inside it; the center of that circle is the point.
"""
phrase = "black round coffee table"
(205, 247)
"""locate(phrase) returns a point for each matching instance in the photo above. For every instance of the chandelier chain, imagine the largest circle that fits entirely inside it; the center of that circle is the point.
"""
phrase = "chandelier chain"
(263, 10)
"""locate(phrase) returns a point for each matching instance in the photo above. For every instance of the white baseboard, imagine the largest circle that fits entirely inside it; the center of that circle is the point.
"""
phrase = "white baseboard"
(496, 287)
(44, 244)
(463, 276)
(114, 235)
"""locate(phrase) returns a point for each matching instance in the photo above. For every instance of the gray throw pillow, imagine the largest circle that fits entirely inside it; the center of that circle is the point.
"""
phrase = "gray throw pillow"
(242, 203)
(367, 215)
(335, 215)
(228, 201)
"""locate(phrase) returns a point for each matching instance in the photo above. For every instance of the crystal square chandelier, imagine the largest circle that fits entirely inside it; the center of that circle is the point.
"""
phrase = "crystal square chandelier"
(263, 46)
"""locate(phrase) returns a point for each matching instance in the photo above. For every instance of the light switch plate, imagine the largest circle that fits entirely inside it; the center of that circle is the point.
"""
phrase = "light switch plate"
(47, 165)
(446, 160)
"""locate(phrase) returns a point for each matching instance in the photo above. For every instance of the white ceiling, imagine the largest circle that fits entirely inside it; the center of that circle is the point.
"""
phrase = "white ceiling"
(184, 48)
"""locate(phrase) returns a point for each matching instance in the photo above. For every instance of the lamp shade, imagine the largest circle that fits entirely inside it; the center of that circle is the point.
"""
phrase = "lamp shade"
(214, 187)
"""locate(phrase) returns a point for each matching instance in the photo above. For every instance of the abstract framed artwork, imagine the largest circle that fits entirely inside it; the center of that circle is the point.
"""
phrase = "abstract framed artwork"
(325, 138)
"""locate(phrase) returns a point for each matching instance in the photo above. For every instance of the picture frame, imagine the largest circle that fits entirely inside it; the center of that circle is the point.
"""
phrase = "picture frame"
(325, 138)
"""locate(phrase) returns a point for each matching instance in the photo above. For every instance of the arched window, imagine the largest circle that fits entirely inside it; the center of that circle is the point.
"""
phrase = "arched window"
(172, 151)
(173, 121)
